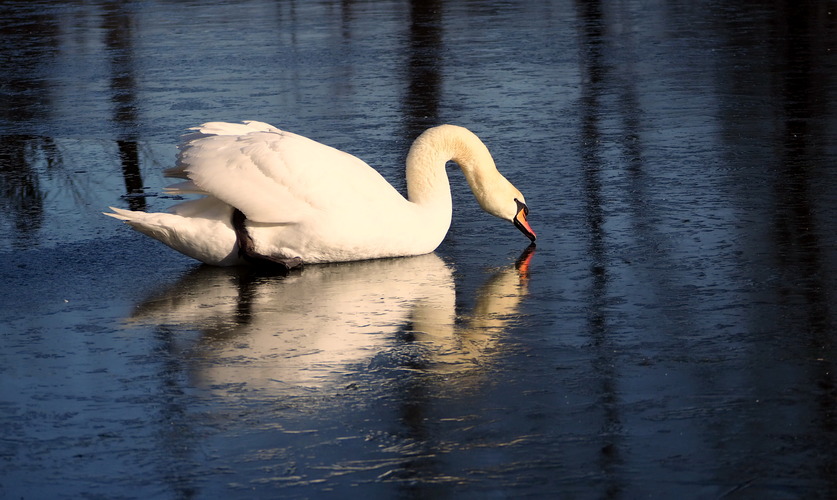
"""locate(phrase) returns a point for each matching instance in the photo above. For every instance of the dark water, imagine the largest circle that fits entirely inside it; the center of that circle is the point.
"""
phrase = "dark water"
(672, 335)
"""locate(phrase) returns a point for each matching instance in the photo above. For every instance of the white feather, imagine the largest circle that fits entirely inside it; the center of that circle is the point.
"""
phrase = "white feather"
(308, 200)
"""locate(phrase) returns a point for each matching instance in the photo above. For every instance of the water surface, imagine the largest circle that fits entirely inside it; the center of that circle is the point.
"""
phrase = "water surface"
(673, 333)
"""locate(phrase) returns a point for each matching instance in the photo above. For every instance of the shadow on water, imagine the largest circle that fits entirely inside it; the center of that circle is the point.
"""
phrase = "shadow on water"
(33, 39)
(424, 78)
(787, 175)
(796, 226)
(386, 329)
(595, 81)
(117, 22)
(27, 97)
(24, 96)
(611, 120)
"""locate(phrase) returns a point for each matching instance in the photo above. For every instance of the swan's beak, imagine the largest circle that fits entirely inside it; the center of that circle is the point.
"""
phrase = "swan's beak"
(521, 222)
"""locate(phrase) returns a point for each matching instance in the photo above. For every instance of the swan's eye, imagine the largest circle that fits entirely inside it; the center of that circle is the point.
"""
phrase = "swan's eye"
(522, 206)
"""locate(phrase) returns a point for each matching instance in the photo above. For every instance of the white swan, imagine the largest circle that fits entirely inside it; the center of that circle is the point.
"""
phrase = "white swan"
(271, 196)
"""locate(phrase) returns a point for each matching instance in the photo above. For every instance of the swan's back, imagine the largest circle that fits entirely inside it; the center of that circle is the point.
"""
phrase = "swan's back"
(271, 175)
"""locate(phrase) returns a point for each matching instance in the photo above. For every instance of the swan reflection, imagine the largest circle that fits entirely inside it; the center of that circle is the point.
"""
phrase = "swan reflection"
(314, 328)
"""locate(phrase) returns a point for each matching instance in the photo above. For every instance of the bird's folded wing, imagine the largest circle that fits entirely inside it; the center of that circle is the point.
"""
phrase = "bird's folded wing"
(274, 176)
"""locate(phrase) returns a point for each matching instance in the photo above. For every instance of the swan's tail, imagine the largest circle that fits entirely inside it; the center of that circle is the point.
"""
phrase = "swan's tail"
(122, 214)
(211, 241)
(159, 226)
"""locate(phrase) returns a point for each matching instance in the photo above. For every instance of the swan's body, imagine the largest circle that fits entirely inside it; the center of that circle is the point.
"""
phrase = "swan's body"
(275, 195)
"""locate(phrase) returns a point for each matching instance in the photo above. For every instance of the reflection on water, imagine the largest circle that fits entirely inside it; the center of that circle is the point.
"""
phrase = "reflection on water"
(316, 328)
(21, 196)
(51, 190)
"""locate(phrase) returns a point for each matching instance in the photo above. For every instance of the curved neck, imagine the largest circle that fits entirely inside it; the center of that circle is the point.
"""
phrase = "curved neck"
(427, 180)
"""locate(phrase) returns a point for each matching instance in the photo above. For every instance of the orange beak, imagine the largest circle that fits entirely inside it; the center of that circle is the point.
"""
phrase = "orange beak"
(521, 222)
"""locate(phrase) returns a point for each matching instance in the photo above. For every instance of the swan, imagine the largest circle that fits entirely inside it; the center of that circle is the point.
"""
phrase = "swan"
(274, 197)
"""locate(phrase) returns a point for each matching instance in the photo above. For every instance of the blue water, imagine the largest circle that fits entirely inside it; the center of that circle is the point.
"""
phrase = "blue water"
(673, 333)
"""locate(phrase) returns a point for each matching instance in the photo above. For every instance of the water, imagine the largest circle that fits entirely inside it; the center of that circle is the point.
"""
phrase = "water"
(673, 333)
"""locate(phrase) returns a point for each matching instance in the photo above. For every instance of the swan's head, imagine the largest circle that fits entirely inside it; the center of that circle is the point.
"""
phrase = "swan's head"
(506, 202)
(495, 194)
(520, 220)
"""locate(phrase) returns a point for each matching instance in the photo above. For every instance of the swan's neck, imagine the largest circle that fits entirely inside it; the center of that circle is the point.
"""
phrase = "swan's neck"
(427, 180)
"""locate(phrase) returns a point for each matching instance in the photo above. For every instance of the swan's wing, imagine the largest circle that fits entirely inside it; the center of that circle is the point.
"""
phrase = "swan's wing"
(274, 176)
